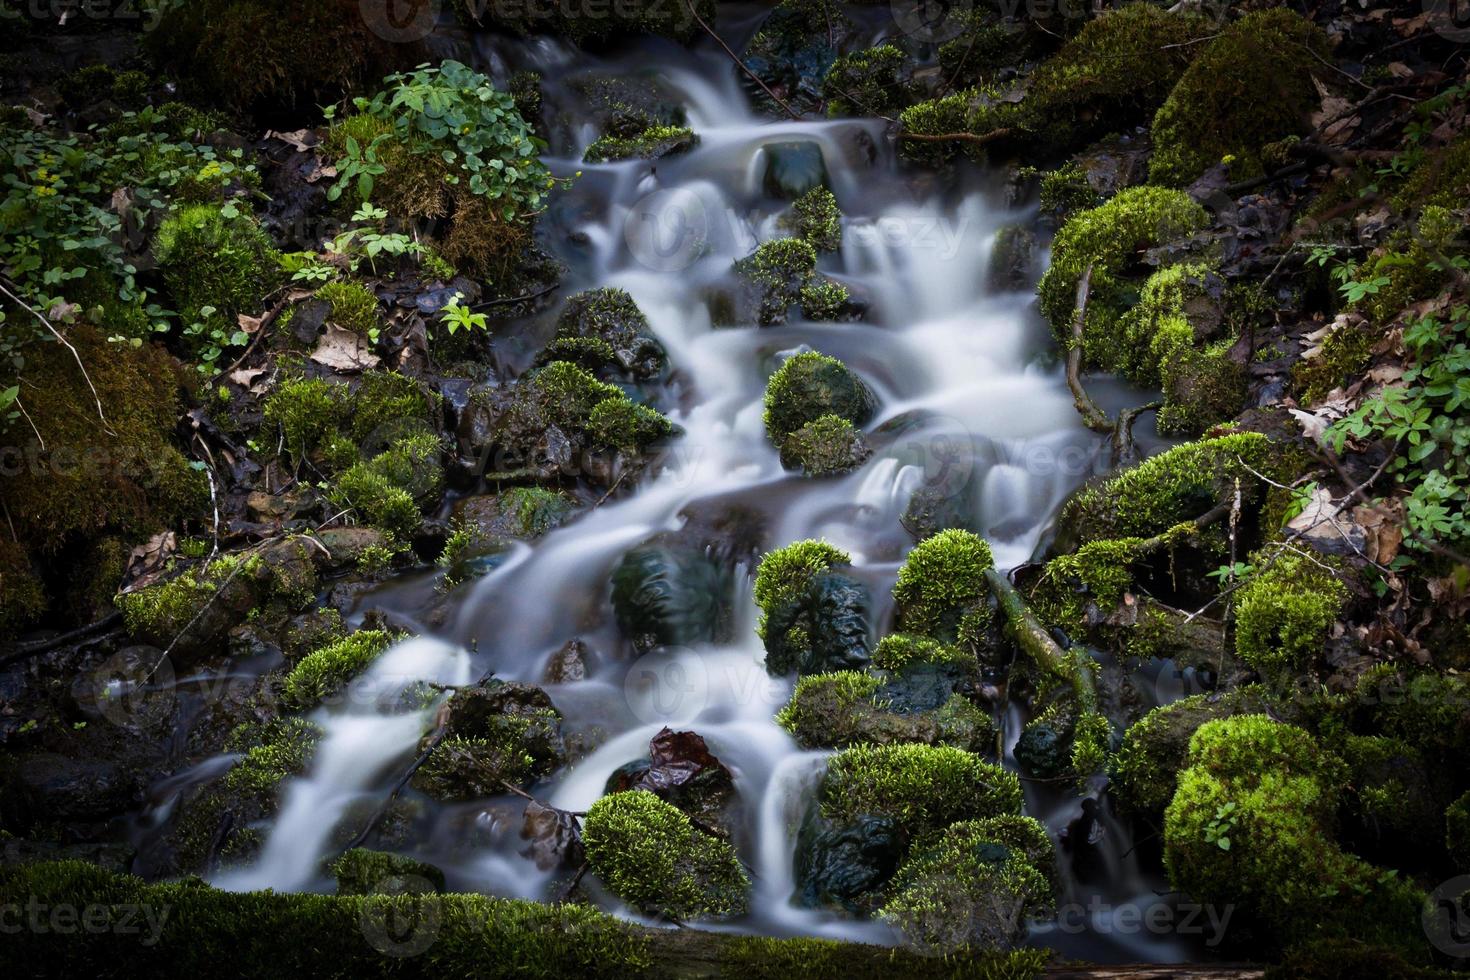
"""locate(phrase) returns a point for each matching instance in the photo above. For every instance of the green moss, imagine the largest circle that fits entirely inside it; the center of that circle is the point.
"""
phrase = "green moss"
(867, 83)
(1097, 574)
(619, 423)
(1067, 189)
(845, 708)
(784, 574)
(982, 48)
(1117, 70)
(161, 613)
(1442, 180)
(649, 854)
(978, 109)
(570, 392)
(824, 447)
(941, 589)
(327, 671)
(1145, 767)
(652, 143)
(1250, 86)
(1284, 612)
(1345, 352)
(22, 594)
(1109, 239)
(923, 788)
(817, 220)
(475, 767)
(1202, 387)
(354, 307)
(824, 299)
(1270, 793)
(211, 261)
(898, 650)
(364, 872)
(614, 331)
(1457, 832)
(778, 270)
(376, 500)
(818, 696)
(272, 934)
(976, 886)
(388, 403)
(809, 386)
(308, 411)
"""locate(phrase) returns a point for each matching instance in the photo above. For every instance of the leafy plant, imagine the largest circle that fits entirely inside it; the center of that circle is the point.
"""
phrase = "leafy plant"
(456, 317)
(1218, 830)
(371, 240)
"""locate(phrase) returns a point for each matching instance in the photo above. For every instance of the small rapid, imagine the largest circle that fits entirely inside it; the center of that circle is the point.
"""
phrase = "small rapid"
(970, 400)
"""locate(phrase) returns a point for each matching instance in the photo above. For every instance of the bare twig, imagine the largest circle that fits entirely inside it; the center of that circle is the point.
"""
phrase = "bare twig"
(979, 139)
(39, 438)
(1093, 417)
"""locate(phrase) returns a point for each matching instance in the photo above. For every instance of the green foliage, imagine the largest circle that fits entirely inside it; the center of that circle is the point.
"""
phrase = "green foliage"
(364, 872)
(1426, 419)
(1284, 613)
(649, 854)
(1250, 86)
(1251, 824)
(454, 113)
(817, 220)
(650, 144)
(898, 650)
(809, 386)
(325, 672)
(1109, 239)
(824, 299)
(923, 788)
(941, 590)
(354, 307)
(867, 83)
(778, 271)
(456, 318)
(621, 424)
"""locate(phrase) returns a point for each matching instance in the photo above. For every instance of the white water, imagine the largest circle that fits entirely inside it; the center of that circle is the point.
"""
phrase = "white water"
(935, 345)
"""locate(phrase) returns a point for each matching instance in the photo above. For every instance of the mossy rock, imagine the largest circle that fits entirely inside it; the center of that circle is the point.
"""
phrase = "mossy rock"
(817, 220)
(668, 592)
(976, 886)
(1251, 86)
(361, 871)
(810, 386)
(941, 590)
(1144, 769)
(1109, 238)
(873, 82)
(211, 261)
(773, 277)
(327, 671)
(837, 710)
(653, 143)
(792, 52)
(611, 316)
(496, 733)
(649, 854)
(1284, 612)
(1251, 825)
(1396, 805)
(827, 446)
(813, 617)
(391, 490)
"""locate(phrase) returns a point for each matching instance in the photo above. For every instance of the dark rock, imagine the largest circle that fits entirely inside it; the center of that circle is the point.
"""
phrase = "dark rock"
(845, 866)
(671, 592)
(48, 786)
(832, 614)
(681, 770)
(793, 168)
(567, 665)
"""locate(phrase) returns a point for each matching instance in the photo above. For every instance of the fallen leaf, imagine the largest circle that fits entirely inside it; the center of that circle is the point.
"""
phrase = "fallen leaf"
(1334, 114)
(1312, 426)
(245, 377)
(122, 201)
(250, 324)
(343, 350)
(1386, 374)
(1383, 528)
(301, 139)
(148, 561)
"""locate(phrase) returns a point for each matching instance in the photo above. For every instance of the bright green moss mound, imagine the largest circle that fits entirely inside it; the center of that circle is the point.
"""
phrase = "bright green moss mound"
(783, 574)
(325, 672)
(652, 143)
(161, 613)
(389, 490)
(817, 220)
(353, 305)
(1250, 86)
(976, 886)
(898, 650)
(941, 589)
(1117, 70)
(1284, 612)
(1109, 238)
(809, 386)
(334, 424)
(826, 446)
(213, 262)
(923, 788)
(845, 708)
(1251, 825)
(648, 854)
(867, 83)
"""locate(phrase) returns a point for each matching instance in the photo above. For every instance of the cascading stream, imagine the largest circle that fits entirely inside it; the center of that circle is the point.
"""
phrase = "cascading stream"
(942, 351)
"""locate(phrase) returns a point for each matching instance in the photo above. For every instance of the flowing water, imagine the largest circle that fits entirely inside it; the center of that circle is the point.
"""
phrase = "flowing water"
(969, 397)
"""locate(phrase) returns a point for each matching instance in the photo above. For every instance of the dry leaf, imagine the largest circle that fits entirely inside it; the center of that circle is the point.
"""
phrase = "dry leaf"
(149, 560)
(301, 139)
(1335, 108)
(343, 350)
(1383, 528)
(244, 377)
(249, 324)
(1313, 427)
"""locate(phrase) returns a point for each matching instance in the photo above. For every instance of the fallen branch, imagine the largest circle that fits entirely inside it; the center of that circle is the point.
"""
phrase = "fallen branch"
(1092, 416)
(979, 139)
(1125, 450)
(22, 651)
(1033, 638)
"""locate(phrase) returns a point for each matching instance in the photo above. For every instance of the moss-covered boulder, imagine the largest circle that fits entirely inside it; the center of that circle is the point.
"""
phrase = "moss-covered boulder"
(845, 708)
(484, 526)
(1252, 825)
(772, 279)
(611, 316)
(826, 446)
(326, 671)
(1109, 239)
(873, 82)
(1252, 85)
(809, 386)
(816, 220)
(813, 617)
(652, 143)
(680, 769)
(649, 854)
(496, 733)
(361, 871)
(216, 268)
(941, 590)
(977, 885)
(1283, 614)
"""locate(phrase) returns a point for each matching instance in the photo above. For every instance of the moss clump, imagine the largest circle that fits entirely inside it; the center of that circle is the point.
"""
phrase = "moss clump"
(941, 589)
(22, 594)
(1202, 387)
(651, 144)
(648, 853)
(872, 82)
(819, 696)
(1345, 351)
(621, 424)
(978, 109)
(817, 220)
(1442, 180)
(365, 872)
(825, 446)
(1284, 612)
(1154, 749)
(497, 733)
(610, 317)
(1250, 86)
(308, 411)
(353, 306)
(211, 261)
(1251, 825)
(824, 299)
(777, 271)
(814, 618)
(1457, 832)
(976, 886)
(899, 650)
(784, 574)
(1117, 70)
(376, 500)
(1109, 239)
(326, 672)
(922, 788)
(334, 425)
(810, 386)
(272, 55)
(161, 613)
(844, 708)
(981, 50)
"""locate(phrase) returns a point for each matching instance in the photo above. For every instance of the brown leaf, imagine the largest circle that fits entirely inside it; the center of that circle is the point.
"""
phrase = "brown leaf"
(1383, 527)
(148, 561)
(301, 139)
(343, 350)
(250, 324)
(245, 377)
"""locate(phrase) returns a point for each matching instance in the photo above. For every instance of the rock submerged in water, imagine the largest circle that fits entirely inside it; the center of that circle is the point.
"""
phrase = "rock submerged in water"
(496, 733)
(793, 169)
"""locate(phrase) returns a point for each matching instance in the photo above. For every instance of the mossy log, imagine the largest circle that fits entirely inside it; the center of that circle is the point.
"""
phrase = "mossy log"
(1073, 668)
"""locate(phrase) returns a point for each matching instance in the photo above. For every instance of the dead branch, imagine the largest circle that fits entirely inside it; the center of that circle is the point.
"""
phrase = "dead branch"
(1093, 417)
